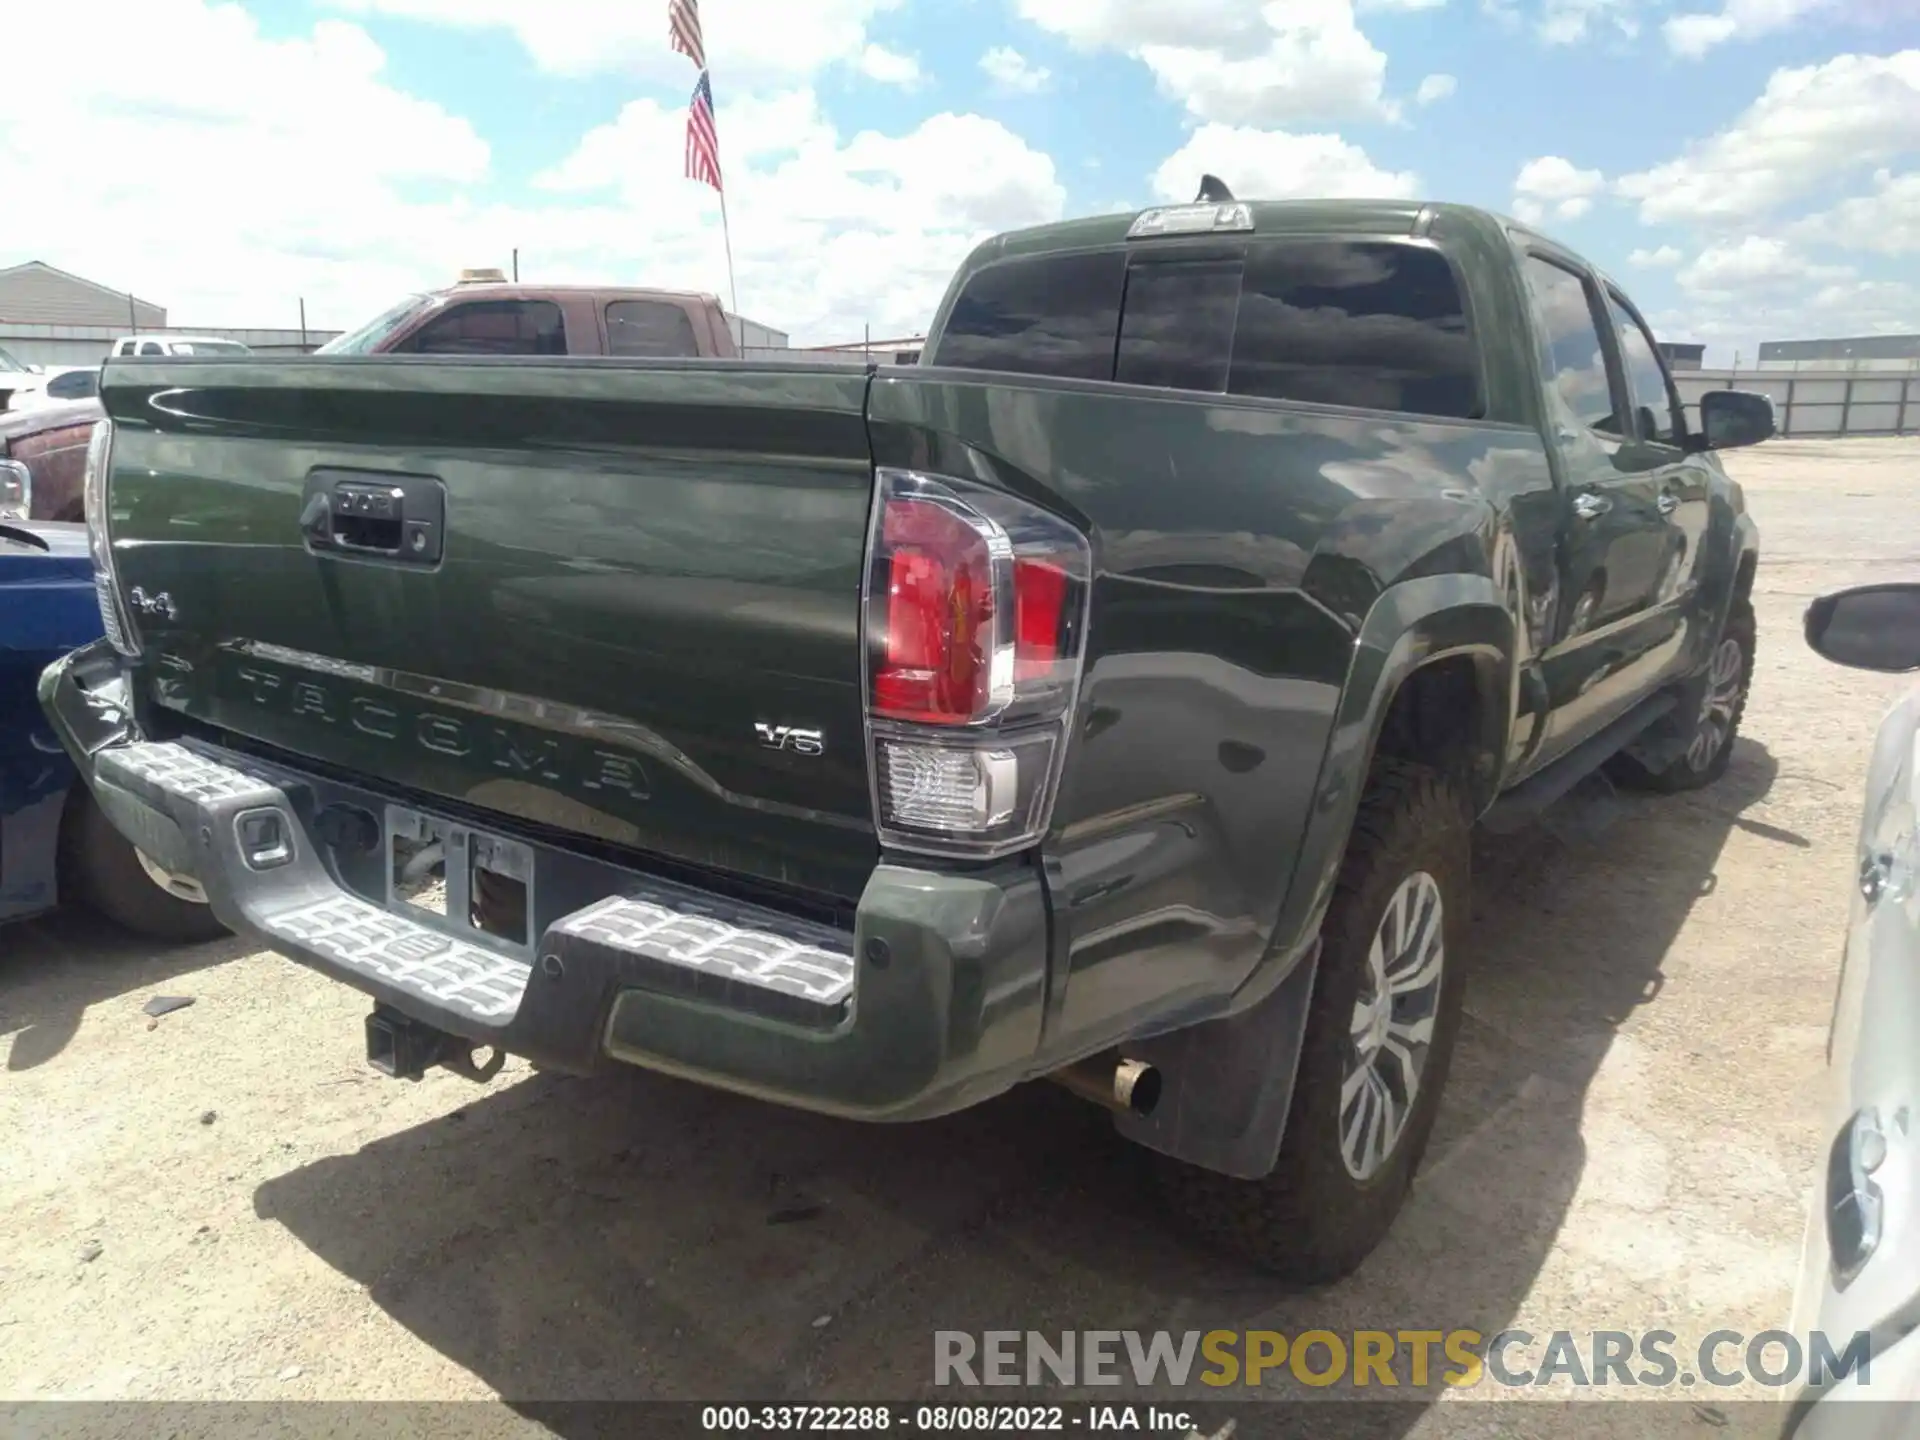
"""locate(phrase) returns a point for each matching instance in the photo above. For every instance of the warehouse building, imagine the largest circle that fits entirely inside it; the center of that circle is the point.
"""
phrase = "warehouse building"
(1844, 350)
(1683, 357)
(51, 317)
(37, 294)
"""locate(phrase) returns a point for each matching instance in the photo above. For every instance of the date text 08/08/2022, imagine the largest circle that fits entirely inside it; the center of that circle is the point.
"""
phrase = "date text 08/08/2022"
(963, 1419)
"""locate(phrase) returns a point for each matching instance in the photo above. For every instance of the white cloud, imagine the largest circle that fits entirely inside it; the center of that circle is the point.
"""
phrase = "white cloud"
(1736, 294)
(828, 232)
(1886, 221)
(1552, 186)
(1235, 62)
(890, 67)
(304, 170)
(1570, 22)
(1694, 33)
(749, 42)
(1664, 258)
(1007, 67)
(1810, 127)
(1435, 87)
(355, 198)
(1278, 165)
(1365, 5)
(1758, 264)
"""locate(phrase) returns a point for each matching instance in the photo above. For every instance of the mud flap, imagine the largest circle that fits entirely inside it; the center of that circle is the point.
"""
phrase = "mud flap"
(1227, 1084)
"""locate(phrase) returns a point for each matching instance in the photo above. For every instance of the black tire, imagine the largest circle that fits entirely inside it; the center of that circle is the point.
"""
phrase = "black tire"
(1682, 773)
(99, 868)
(1312, 1221)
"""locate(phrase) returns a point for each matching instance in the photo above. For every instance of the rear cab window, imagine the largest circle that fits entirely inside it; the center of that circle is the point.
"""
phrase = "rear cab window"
(1373, 324)
(1049, 315)
(655, 328)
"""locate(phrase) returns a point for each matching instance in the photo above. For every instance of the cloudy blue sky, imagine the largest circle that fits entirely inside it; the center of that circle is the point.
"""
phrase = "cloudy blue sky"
(1749, 168)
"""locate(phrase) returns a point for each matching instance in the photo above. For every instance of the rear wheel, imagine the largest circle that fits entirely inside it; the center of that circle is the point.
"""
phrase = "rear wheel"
(1710, 711)
(1380, 1032)
(105, 872)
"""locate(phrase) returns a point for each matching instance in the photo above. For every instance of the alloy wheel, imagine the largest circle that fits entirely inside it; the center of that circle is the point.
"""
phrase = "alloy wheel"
(1718, 704)
(1392, 1025)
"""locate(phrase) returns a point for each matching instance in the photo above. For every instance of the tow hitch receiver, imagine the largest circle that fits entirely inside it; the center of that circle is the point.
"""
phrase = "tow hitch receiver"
(405, 1048)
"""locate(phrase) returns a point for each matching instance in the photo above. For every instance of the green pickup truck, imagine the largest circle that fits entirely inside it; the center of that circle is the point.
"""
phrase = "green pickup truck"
(1108, 699)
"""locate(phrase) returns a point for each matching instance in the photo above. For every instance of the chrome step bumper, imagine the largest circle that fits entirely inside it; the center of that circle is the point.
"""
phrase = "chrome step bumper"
(246, 831)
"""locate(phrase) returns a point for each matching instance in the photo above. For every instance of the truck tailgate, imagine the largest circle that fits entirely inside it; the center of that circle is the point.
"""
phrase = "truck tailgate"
(616, 600)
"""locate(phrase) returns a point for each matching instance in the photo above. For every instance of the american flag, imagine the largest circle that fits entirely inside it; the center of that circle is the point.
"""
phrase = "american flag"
(703, 140)
(683, 18)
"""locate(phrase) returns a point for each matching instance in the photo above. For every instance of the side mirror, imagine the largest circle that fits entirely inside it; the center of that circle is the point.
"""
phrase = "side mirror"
(1870, 627)
(1732, 418)
(16, 491)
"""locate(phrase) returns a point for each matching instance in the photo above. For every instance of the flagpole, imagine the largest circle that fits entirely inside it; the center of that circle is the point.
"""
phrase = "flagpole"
(733, 293)
(683, 31)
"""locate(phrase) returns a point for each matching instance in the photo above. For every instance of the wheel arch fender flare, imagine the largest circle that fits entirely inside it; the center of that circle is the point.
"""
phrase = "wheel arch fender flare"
(1228, 1082)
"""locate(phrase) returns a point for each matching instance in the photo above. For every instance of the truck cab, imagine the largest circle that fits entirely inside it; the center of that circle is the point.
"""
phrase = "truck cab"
(486, 314)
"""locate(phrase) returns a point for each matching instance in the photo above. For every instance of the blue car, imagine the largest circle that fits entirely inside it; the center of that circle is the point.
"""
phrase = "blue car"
(55, 845)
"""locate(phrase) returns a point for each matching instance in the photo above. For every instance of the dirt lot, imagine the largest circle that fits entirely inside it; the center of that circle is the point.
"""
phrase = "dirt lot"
(228, 1204)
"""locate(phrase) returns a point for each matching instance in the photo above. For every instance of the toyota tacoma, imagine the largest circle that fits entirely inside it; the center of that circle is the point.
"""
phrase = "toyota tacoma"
(1108, 698)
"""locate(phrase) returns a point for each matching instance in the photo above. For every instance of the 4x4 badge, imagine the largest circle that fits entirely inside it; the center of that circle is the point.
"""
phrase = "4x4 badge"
(160, 606)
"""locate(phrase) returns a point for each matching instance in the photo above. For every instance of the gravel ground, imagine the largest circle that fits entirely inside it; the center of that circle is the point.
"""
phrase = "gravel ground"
(226, 1203)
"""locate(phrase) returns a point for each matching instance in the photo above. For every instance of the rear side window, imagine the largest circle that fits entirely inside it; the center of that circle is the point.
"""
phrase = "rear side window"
(1377, 325)
(151, 348)
(649, 327)
(1052, 315)
(1572, 357)
(1373, 324)
(74, 385)
(493, 327)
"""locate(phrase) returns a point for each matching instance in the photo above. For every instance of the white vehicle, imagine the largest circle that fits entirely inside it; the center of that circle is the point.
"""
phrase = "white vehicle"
(175, 345)
(15, 375)
(56, 386)
(1859, 1282)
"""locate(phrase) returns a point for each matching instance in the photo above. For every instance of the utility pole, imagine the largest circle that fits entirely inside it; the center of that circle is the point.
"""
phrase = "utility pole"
(133, 320)
(516, 264)
(303, 324)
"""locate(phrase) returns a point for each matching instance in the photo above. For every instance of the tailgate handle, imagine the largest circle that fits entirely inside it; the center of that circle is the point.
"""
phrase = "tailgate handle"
(374, 516)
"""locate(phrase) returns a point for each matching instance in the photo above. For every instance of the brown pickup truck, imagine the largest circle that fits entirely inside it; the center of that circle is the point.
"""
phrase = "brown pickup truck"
(485, 314)
(50, 441)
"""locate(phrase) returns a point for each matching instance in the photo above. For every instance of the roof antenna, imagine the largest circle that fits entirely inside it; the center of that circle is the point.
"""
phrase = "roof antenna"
(1213, 191)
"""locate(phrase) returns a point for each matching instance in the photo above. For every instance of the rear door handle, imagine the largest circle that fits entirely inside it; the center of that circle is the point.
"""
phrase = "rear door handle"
(1590, 506)
(1667, 503)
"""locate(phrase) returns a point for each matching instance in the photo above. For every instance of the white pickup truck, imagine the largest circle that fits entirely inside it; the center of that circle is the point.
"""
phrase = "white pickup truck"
(176, 345)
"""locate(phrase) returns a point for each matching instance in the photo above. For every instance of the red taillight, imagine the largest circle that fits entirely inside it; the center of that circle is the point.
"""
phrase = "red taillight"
(1040, 617)
(939, 616)
(974, 624)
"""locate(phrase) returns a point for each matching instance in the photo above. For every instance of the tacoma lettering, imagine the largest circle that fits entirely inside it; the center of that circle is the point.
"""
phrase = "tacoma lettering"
(544, 757)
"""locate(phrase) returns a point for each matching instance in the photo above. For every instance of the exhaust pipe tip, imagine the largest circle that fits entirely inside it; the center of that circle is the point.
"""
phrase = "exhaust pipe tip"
(1129, 1087)
(1136, 1086)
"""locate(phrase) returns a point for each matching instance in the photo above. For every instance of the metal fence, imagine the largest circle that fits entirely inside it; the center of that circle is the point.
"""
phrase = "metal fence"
(1813, 399)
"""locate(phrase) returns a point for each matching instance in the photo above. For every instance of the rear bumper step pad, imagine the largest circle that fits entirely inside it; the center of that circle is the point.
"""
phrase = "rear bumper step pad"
(548, 1000)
